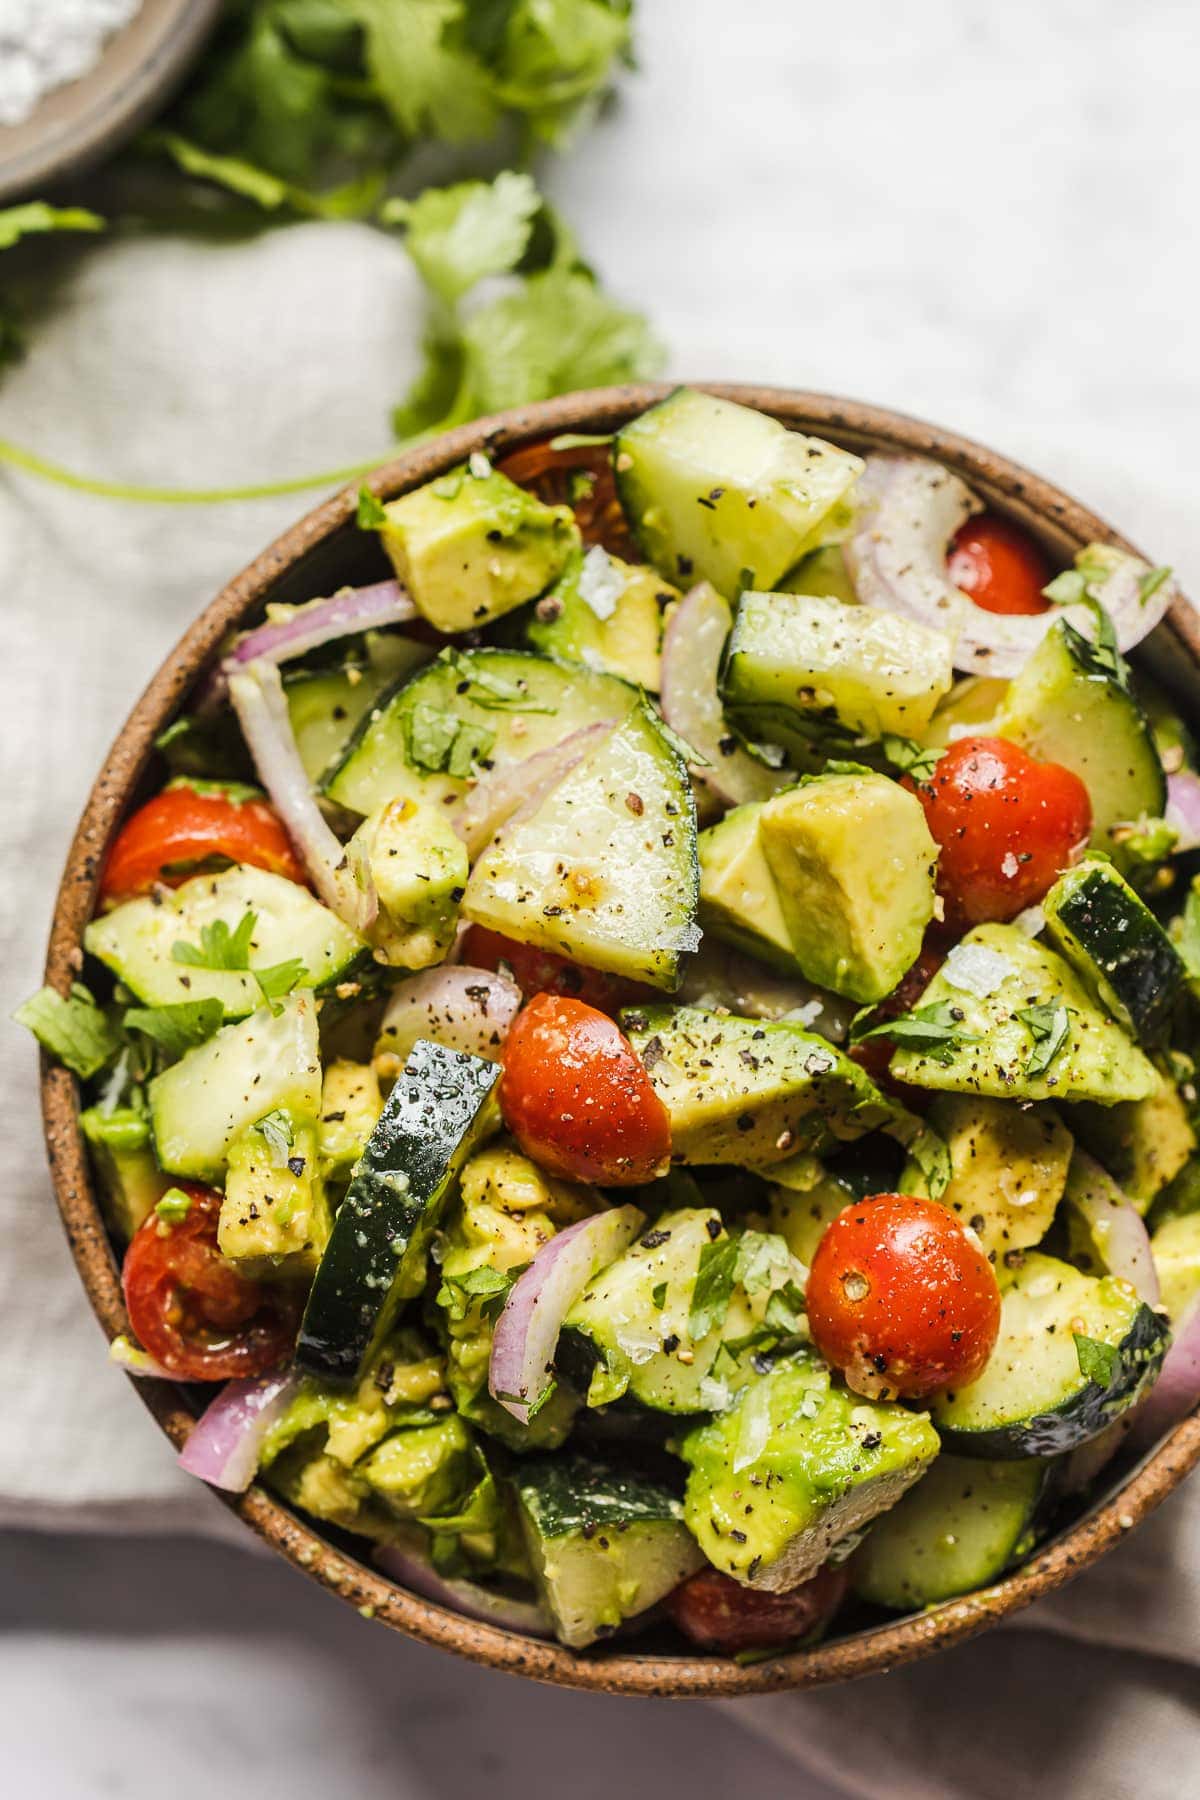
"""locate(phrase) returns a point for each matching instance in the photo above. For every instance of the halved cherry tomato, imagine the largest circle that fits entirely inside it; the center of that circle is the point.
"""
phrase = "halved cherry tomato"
(874, 1054)
(191, 1310)
(543, 972)
(180, 828)
(901, 1298)
(1006, 827)
(577, 1099)
(580, 477)
(718, 1613)
(999, 565)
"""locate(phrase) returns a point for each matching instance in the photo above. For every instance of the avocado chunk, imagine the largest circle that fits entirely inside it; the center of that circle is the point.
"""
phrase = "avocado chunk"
(1176, 1250)
(130, 1181)
(796, 662)
(854, 865)
(794, 1466)
(822, 572)
(1009, 1168)
(748, 1091)
(605, 1545)
(607, 615)
(350, 1107)
(970, 709)
(419, 866)
(718, 492)
(472, 545)
(739, 901)
(1073, 1353)
(1144, 1144)
(275, 1216)
(802, 1215)
(1002, 1011)
(424, 1471)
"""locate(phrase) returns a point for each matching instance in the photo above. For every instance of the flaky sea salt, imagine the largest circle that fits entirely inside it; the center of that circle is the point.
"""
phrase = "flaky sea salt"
(46, 43)
(976, 969)
(601, 583)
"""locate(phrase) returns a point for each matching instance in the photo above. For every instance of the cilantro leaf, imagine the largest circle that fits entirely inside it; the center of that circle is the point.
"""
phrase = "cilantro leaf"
(485, 1285)
(658, 1296)
(219, 948)
(422, 69)
(1151, 581)
(492, 692)
(715, 1276)
(1049, 1024)
(763, 1259)
(910, 758)
(178, 1027)
(442, 743)
(353, 200)
(931, 1155)
(1098, 1362)
(36, 216)
(276, 1128)
(371, 514)
(279, 979)
(174, 1206)
(458, 235)
(934, 1030)
(74, 1030)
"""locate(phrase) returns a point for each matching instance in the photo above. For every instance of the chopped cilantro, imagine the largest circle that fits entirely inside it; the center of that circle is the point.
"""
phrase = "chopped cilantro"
(458, 235)
(219, 948)
(370, 514)
(1048, 1024)
(763, 1259)
(715, 1277)
(493, 692)
(276, 1128)
(174, 1206)
(909, 757)
(658, 1296)
(73, 1030)
(178, 1027)
(1151, 581)
(935, 1030)
(931, 1154)
(1098, 1362)
(487, 1286)
(442, 743)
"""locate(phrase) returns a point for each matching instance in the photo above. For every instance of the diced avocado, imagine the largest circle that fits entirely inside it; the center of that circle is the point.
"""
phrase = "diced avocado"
(1073, 1353)
(471, 546)
(419, 866)
(1009, 1168)
(747, 1091)
(718, 492)
(630, 1330)
(275, 1216)
(1176, 1250)
(131, 1182)
(1110, 935)
(1143, 1143)
(961, 1528)
(970, 709)
(607, 615)
(801, 1216)
(1179, 1199)
(793, 660)
(998, 1039)
(794, 1466)
(216, 1092)
(1093, 1207)
(425, 1470)
(605, 1545)
(822, 572)
(508, 1210)
(350, 1107)
(738, 898)
(855, 918)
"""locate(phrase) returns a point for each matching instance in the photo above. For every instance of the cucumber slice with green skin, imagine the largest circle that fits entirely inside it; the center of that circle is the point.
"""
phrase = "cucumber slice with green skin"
(793, 660)
(718, 492)
(604, 1545)
(504, 705)
(1066, 707)
(1101, 926)
(435, 1116)
(747, 1091)
(960, 1528)
(1033, 1398)
(604, 868)
(270, 1062)
(325, 705)
(137, 940)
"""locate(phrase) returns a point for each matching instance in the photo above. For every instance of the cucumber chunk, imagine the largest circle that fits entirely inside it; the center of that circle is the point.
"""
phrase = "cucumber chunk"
(425, 737)
(1115, 942)
(1033, 1398)
(747, 1091)
(960, 1528)
(794, 660)
(439, 1109)
(131, 1183)
(604, 869)
(1067, 707)
(137, 940)
(718, 492)
(267, 1063)
(605, 1545)
(325, 705)
(1144, 1144)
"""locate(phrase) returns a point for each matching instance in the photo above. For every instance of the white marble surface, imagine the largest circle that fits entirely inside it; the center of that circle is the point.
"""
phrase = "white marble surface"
(982, 214)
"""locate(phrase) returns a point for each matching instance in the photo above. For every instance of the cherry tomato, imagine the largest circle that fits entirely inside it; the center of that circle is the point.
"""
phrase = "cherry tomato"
(580, 477)
(1006, 826)
(191, 1310)
(543, 972)
(999, 565)
(718, 1613)
(901, 1298)
(179, 828)
(577, 1098)
(874, 1054)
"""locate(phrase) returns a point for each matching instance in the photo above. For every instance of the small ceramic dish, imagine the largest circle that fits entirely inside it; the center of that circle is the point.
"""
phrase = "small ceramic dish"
(75, 125)
(325, 550)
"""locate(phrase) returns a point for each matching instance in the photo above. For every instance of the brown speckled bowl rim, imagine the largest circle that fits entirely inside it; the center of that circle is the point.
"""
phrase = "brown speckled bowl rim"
(615, 1669)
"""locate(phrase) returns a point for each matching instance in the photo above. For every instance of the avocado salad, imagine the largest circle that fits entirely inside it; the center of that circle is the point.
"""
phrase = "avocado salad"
(648, 1052)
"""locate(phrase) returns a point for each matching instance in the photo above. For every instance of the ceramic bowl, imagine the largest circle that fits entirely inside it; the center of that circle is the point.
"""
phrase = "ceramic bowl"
(320, 552)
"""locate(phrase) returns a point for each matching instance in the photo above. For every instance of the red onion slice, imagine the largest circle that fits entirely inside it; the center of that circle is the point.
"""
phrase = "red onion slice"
(321, 621)
(463, 1008)
(1115, 1226)
(1176, 1393)
(468, 1597)
(1183, 808)
(691, 657)
(718, 977)
(256, 693)
(498, 795)
(526, 1335)
(227, 1438)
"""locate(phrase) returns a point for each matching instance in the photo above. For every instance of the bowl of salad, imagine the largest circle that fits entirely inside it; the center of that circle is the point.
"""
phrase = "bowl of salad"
(619, 1041)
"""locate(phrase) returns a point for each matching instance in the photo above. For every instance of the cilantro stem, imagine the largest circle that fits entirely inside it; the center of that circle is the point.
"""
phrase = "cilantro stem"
(19, 458)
